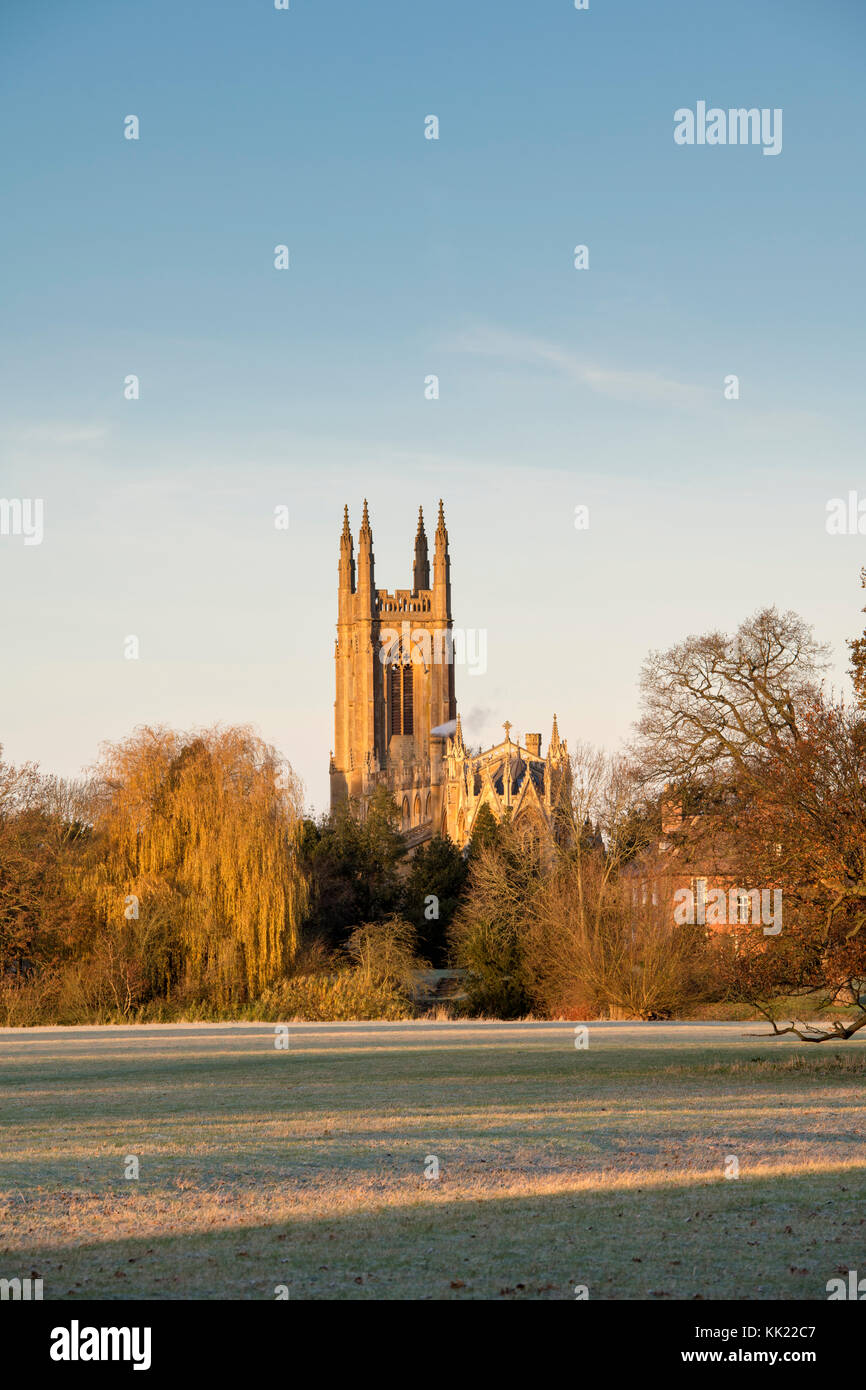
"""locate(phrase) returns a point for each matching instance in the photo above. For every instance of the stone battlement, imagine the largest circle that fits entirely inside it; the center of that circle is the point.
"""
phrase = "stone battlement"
(404, 601)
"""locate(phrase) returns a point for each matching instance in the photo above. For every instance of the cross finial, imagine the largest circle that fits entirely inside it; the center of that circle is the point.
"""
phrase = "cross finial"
(507, 727)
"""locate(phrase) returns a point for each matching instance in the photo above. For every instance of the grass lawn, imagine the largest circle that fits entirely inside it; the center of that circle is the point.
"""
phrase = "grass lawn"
(558, 1167)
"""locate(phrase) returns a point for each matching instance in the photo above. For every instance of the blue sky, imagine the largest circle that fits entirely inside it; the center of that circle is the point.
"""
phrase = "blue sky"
(409, 257)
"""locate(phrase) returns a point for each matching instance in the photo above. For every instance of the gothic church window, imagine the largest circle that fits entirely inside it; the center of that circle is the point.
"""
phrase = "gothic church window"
(396, 699)
(402, 699)
(408, 700)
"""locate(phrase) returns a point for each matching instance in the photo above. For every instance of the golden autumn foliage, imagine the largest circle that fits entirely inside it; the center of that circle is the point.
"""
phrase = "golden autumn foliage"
(196, 861)
(339, 996)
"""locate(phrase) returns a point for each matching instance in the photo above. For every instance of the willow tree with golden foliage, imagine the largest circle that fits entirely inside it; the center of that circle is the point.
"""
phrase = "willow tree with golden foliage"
(196, 858)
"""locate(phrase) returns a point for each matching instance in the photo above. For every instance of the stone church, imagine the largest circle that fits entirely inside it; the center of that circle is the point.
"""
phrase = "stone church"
(395, 713)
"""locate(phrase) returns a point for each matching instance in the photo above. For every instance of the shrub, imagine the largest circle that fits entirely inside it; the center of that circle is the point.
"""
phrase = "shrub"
(343, 996)
(488, 932)
(603, 946)
(385, 954)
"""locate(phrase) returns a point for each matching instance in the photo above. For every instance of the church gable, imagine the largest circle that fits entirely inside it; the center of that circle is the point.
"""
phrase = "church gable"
(512, 778)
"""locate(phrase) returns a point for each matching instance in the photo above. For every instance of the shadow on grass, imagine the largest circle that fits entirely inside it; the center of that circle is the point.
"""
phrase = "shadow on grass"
(762, 1238)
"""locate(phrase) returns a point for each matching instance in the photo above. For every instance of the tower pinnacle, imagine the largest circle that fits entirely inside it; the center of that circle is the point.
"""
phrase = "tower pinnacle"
(347, 559)
(442, 569)
(366, 580)
(421, 571)
(554, 748)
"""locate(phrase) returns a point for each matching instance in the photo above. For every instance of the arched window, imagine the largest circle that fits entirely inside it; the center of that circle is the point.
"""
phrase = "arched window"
(405, 813)
(416, 820)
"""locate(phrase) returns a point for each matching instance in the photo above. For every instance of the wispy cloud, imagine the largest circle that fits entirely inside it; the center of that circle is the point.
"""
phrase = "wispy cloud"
(59, 432)
(646, 387)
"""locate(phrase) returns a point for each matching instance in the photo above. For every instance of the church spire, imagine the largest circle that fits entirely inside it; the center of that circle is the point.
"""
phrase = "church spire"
(421, 572)
(555, 746)
(459, 745)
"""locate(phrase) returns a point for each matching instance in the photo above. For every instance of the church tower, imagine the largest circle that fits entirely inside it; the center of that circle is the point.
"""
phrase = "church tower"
(394, 681)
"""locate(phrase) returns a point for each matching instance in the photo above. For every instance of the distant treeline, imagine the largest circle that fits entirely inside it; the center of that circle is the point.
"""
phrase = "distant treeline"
(182, 878)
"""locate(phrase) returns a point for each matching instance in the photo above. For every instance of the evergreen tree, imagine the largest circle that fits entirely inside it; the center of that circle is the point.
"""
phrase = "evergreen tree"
(436, 880)
(355, 867)
(485, 831)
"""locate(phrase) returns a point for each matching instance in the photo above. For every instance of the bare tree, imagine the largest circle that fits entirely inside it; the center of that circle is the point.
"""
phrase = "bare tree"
(712, 701)
(608, 943)
(782, 770)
